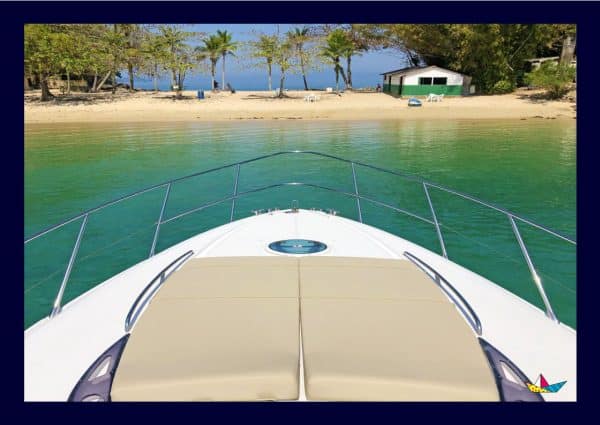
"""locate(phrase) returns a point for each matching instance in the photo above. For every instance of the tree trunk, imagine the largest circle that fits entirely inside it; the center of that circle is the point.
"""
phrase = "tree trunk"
(281, 80)
(46, 95)
(270, 79)
(213, 71)
(303, 72)
(130, 72)
(99, 86)
(223, 73)
(173, 78)
(343, 75)
(68, 82)
(180, 78)
(349, 68)
(114, 71)
(155, 77)
(337, 80)
(95, 81)
(567, 52)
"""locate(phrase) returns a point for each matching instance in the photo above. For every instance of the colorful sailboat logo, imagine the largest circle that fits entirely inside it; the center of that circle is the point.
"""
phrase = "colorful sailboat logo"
(544, 387)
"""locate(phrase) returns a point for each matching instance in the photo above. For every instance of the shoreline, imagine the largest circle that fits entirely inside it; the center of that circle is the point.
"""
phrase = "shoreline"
(148, 106)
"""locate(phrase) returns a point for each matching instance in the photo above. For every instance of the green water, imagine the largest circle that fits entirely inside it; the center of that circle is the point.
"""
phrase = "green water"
(526, 166)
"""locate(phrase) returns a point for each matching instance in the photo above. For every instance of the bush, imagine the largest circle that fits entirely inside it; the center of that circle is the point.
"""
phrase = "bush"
(503, 86)
(556, 79)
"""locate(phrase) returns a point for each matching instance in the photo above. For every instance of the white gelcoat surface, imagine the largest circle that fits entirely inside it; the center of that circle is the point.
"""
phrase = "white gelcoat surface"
(60, 350)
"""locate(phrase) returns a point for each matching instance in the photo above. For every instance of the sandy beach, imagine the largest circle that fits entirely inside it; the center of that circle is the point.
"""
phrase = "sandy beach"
(147, 106)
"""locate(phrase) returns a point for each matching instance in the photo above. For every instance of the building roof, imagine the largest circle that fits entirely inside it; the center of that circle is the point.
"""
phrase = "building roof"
(401, 70)
(413, 69)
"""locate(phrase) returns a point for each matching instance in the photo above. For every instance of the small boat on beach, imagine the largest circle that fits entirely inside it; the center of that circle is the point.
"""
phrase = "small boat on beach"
(298, 304)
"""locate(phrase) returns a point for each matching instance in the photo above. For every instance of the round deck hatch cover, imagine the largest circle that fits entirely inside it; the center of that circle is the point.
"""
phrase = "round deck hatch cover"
(297, 246)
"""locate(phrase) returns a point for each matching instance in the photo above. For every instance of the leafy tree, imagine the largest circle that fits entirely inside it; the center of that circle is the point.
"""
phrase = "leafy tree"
(154, 50)
(179, 57)
(72, 51)
(42, 42)
(133, 37)
(493, 54)
(227, 47)
(265, 48)
(555, 78)
(96, 41)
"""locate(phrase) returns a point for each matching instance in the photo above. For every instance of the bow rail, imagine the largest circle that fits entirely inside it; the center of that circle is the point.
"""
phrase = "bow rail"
(236, 194)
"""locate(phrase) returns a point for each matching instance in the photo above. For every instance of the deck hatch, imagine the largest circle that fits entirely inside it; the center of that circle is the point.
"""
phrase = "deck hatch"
(297, 246)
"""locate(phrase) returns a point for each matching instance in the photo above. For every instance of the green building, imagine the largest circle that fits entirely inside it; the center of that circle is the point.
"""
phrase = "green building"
(421, 81)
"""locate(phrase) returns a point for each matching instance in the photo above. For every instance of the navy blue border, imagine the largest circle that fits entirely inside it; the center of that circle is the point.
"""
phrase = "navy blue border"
(14, 15)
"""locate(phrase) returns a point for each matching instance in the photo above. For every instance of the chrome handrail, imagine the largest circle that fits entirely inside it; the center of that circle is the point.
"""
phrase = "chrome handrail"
(283, 184)
(161, 277)
(536, 278)
(407, 176)
(464, 306)
(355, 194)
(160, 217)
(435, 220)
(57, 306)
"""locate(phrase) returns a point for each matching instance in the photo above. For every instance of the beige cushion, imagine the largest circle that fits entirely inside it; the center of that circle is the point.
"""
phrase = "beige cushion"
(381, 330)
(372, 329)
(219, 329)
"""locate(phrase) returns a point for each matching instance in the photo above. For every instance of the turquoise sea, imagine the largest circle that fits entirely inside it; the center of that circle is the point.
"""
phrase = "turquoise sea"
(526, 166)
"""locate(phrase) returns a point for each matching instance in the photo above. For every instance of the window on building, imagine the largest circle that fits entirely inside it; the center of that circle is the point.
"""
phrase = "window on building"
(440, 81)
(425, 81)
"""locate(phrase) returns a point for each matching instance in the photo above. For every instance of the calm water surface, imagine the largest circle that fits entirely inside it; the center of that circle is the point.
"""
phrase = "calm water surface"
(526, 166)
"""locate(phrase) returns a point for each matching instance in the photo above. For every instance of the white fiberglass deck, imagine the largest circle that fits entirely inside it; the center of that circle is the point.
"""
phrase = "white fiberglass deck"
(55, 359)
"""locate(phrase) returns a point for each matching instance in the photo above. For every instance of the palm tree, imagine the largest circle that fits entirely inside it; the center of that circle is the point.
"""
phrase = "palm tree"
(266, 48)
(337, 46)
(211, 50)
(349, 51)
(362, 37)
(227, 48)
(284, 58)
(298, 37)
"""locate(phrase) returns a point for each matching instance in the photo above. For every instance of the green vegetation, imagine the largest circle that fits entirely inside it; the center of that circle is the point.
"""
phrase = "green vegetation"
(493, 54)
(177, 56)
(556, 79)
(265, 49)
(211, 50)
(337, 46)
(298, 38)
(284, 58)
(296, 51)
(98, 53)
(226, 47)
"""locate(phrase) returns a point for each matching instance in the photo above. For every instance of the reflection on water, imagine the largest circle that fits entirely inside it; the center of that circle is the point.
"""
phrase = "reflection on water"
(527, 166)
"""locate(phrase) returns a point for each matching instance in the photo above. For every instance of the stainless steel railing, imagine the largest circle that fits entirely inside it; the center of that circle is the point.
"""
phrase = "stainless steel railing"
(236, 194)
(456, 297)
(148, 292)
